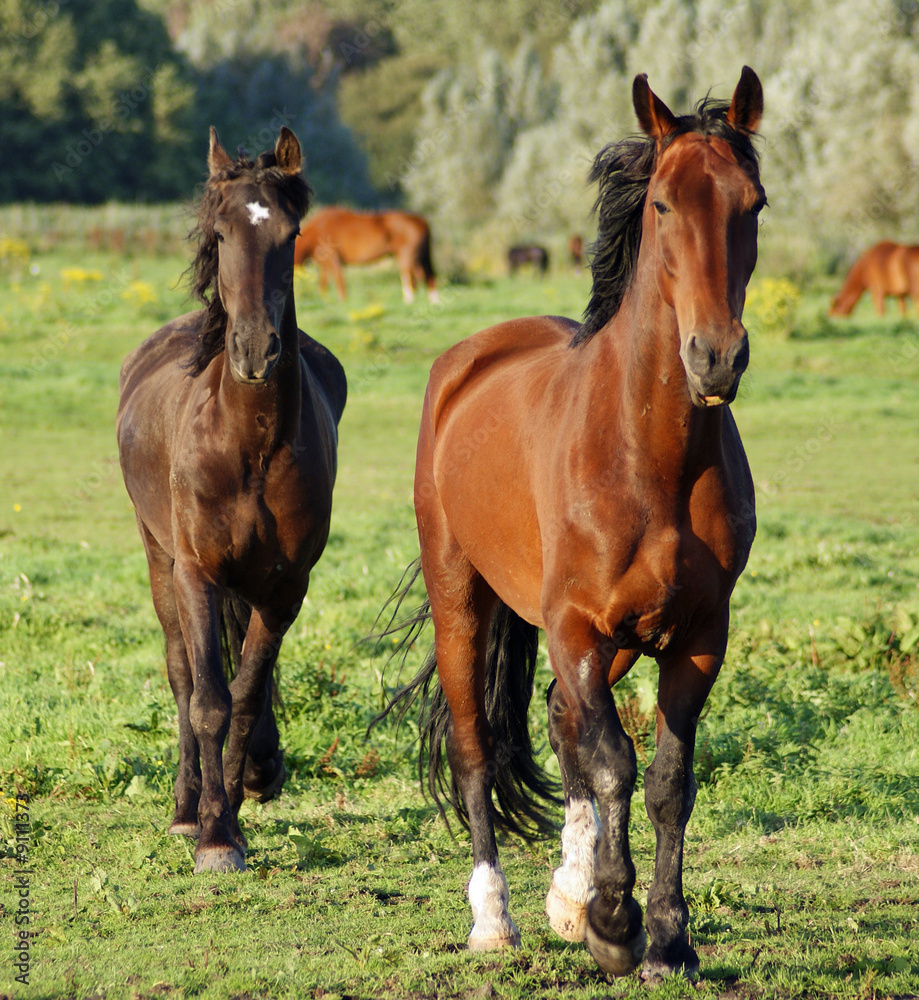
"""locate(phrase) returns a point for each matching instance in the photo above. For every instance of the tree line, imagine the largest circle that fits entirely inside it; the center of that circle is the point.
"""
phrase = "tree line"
(484, 116)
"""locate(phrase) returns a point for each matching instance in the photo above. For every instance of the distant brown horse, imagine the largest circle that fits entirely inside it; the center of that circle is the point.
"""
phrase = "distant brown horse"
(576, 251)
(336, 236)
(227, 432)
(885, 269)
(589, 479)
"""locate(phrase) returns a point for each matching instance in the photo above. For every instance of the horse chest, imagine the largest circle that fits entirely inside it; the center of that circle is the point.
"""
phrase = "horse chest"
(674, 581)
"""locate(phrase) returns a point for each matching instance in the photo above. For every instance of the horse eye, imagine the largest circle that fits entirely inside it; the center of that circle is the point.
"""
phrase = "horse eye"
(660, 208)
(759, 206)
(219, 236)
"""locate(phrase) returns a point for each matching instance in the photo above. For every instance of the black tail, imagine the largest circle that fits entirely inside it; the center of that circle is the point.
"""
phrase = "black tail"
(234, 621)
(521, 786)
(423, 258)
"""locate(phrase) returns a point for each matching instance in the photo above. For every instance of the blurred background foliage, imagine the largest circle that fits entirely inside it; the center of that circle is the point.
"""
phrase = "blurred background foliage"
(484, 116)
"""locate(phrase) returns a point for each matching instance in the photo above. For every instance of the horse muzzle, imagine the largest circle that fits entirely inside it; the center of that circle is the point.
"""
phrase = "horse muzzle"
(253, 357)
(713, 372)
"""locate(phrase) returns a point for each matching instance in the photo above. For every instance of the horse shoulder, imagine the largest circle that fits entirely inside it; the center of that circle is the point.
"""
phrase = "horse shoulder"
(170, 343)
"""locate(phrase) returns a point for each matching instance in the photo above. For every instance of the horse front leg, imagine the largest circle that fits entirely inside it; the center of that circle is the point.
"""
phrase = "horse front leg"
(210, 708)
(573, 882)
(460, 641)
(253, 765)
(670, 792)
(602, 753)
(188, 777)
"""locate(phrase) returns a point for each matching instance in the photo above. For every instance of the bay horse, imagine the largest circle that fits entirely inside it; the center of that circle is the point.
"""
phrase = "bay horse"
(227, 434)
(588, 479)
(536, 255)
(885, 269)
(335, 236)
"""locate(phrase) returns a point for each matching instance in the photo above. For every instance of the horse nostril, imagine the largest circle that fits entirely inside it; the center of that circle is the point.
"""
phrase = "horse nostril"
(274, 347)
(700, 355)
(741, 355)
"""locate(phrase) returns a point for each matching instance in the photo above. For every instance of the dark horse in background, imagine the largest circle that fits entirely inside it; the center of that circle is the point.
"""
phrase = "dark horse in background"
(885, 269)
(227, 432)
(518, 256)
(336, 236)
(588, 479)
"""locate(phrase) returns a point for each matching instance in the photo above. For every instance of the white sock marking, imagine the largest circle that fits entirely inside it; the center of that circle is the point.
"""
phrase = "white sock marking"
(488, 897)
(575, 878)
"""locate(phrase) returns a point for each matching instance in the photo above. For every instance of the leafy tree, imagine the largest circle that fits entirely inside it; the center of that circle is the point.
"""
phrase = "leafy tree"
(470, 122)
(93, 105)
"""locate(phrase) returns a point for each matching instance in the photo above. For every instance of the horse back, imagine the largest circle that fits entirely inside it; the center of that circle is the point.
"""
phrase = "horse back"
(328, 371)
(511, 353)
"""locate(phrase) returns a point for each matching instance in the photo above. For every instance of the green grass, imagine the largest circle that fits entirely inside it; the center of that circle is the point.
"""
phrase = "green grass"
(802, 860)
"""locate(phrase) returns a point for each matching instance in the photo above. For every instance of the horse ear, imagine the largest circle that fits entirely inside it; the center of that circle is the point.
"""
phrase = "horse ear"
(217, 157)
(746, 109)
(655, 118)
(287, 152)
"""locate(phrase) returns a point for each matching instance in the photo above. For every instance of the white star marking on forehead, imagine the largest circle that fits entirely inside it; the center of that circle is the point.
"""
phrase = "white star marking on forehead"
(257, 213)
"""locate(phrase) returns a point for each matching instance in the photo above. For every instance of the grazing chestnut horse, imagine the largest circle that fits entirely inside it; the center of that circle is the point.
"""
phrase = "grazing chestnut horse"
(227, 431)
(336, 236)
(885, 269)
(588, 479)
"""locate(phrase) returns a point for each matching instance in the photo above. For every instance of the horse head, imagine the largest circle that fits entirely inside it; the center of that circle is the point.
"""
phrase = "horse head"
(700, 221)
(255, 223)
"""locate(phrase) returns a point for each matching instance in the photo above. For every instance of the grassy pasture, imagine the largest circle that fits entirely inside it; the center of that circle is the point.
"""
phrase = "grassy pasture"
(802, 863)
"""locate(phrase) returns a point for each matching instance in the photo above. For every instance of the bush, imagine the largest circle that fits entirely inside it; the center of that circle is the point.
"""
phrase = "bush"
(771, 307)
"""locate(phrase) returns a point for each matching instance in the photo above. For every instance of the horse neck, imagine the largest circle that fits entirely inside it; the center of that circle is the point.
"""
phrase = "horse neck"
(265, 418)
(668, 437)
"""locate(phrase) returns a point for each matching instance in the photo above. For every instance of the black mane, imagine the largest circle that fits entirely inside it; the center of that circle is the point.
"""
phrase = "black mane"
(623, 171)
(203, 269)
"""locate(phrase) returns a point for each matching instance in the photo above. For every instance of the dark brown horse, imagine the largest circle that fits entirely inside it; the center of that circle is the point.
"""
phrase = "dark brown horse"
(885, 269)
(227, 431)
(588, 479)
(533, 254)
(336, 236)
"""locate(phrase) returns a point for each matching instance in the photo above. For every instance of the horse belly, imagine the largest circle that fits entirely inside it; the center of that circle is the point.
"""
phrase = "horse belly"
(360, 245)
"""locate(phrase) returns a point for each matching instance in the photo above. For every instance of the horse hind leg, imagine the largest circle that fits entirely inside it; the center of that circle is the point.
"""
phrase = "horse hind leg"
(461, 626)
(407, 278)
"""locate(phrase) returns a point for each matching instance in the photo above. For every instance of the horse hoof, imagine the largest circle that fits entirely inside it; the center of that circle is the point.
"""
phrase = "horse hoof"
(566, 918)
(655, 974)
(180, 829)
(682, 961)
(616, 959)
(220, 859)
(270, 790)
(494, 941)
